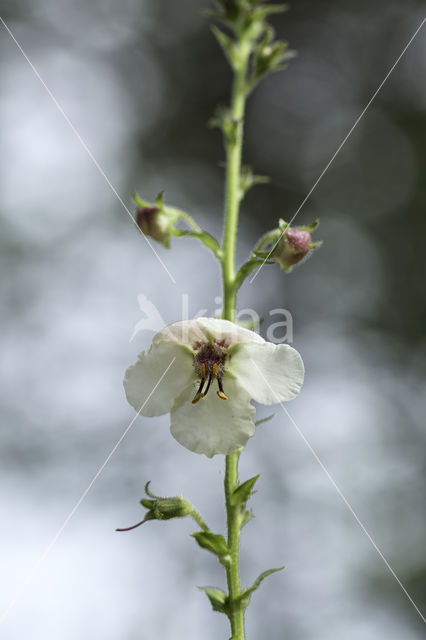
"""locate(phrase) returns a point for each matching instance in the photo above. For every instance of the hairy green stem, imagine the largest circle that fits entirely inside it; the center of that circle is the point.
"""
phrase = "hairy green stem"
(232, 204)
(234, 146)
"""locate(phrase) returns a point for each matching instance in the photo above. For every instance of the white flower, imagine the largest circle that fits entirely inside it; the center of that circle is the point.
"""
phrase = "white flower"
(202, 354)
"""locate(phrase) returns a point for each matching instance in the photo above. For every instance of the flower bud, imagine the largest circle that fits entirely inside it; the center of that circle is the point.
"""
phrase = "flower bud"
(166, 508)
(154, 223)
(294, 245)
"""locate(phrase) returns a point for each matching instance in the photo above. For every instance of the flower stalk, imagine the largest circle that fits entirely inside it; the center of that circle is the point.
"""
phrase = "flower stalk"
(233, 146)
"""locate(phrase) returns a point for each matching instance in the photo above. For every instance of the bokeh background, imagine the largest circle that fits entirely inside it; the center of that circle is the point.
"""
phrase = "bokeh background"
(139, 79)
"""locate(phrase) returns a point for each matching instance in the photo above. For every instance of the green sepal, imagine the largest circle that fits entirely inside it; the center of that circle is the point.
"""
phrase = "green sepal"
(215, 543)
(262, 420)
(310, 227)
(244, 598)
(227, 44)
(316, 245)
(218, 599)
(242, 493)
(159, 201)
(139, 201)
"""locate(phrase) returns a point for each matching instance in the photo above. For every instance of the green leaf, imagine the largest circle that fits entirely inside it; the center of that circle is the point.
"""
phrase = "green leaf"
(247, 516)
(215, 543)
(248, 179)
(241, 494)
(227, 44)
(268, 9)
(258, 422)
(218, 599)
(244, 598)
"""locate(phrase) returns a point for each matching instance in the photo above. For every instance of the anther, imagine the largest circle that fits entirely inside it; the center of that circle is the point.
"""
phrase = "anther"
(203, 370)
(197, 397)
(221, 392)
(215, 370)
(199, 394)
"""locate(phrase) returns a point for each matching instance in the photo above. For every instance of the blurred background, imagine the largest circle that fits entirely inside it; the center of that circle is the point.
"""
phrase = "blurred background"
(139, 79)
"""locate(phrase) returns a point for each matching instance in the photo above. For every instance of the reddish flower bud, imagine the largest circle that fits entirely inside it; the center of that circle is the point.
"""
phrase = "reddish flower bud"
(153, 223)
(292, 247)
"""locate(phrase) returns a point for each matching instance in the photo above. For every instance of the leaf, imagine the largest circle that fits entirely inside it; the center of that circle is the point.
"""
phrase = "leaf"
(247, 516)
(226, 43)
(248, 179)
(215, 543)
(244, 598)
(218, 599)
(258, 422)
(241, 494)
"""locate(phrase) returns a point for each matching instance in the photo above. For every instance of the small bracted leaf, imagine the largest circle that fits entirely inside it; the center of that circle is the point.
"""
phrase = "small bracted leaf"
(244, 598)
(241, 494)
(215, 543)
(267, 9)
(226, 43)
(258, 422)
(248, 179)
(218, 599)
(246, 517)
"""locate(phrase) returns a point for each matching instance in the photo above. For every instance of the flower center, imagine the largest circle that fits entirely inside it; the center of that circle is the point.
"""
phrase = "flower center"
(209, 364)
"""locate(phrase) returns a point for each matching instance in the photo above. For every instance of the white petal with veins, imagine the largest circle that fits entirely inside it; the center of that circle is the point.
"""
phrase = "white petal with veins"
(213, 425)
(141, 378)
(270, 373)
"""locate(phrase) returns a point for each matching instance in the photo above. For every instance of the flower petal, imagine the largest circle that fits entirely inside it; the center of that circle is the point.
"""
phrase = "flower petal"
(269, 372)
(151, 387)
(200, 330)
(213, 425)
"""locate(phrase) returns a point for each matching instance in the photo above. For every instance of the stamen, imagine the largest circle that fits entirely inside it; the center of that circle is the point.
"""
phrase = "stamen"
(215, 370)
(199, 394)
(208, 384)
(197, 397)
(221, 392)
(203, 370)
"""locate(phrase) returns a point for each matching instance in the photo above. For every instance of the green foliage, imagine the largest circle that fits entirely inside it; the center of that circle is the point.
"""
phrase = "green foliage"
(215, 543)
(248, 180)
(244, 598)
(242, 493)
(218, 599)
(258, 422)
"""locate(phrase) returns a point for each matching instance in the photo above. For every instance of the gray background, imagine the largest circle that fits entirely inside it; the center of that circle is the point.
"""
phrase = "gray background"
(139, 80)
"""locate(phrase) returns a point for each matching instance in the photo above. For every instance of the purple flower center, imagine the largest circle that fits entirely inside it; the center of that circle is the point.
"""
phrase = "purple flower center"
(209, 364)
